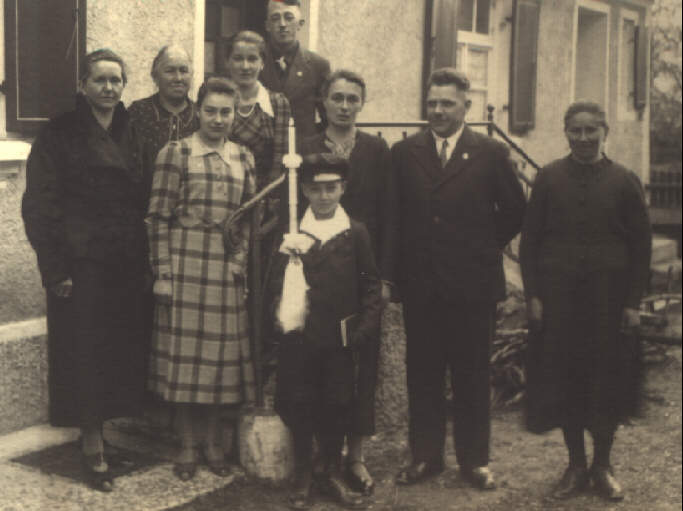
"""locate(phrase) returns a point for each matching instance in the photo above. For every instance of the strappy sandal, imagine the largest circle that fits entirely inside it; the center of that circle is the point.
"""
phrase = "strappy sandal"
(219, 466)
(186, 470)
(364, 486)
(100, 480)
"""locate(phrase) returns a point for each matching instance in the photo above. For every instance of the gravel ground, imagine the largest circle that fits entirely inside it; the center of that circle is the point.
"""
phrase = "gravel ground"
(646, 458)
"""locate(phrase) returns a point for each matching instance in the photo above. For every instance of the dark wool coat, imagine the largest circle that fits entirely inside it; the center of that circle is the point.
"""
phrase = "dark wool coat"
(455, 221)
(83, 210)
(301, 86)
(369, 197)
(585, 252)
(343, 280)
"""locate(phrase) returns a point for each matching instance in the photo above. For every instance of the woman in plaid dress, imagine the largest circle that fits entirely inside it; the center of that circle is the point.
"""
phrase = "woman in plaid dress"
(262, 116)
(200, 349)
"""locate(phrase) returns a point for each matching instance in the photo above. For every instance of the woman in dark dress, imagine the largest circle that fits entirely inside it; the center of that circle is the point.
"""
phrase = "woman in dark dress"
(83, 210)
(366, 199)
(585, 254)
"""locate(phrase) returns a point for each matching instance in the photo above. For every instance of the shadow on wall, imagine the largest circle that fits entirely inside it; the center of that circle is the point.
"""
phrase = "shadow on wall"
(21, 292)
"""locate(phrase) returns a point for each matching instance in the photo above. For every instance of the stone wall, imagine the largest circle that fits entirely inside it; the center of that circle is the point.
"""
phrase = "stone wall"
(136, 29)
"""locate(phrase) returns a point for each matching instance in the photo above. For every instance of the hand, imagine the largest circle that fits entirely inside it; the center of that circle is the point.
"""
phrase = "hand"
(535, 312)
(386, 293)
(63, 289)
(163, 291)
(630, 319)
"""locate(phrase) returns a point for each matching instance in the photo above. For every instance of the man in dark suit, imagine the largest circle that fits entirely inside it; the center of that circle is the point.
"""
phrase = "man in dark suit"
(290, 69)
(460, 204)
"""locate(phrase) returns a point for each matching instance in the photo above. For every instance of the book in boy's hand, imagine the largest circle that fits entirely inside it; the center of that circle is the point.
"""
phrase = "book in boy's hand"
(349, 325)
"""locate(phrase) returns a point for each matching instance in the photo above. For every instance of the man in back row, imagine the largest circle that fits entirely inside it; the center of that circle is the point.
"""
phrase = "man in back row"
(291, 69)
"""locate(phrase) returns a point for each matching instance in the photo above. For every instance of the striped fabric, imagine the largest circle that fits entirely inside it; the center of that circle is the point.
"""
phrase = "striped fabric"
(265, 136)
(200, 347)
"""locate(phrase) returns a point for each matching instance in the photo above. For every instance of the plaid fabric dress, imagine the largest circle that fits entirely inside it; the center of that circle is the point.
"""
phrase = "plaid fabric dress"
(200, 347)
(265, 134)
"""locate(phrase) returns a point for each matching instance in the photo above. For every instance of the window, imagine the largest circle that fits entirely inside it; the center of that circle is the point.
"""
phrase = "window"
(628, 32)
(459, 34)
(44, 41)
(591, 56)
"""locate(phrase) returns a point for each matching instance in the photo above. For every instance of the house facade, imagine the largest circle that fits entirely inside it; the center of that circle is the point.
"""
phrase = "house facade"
(528, 59)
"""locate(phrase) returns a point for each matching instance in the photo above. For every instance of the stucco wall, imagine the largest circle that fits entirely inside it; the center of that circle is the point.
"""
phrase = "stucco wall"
(384, 43)
(136, 29)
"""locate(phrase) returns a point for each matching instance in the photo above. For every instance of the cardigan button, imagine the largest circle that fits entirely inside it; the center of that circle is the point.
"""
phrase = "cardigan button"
(436, 220)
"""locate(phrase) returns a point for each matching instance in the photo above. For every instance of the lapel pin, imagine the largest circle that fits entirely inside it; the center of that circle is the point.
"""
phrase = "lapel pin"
(299, 73)
(465, 156)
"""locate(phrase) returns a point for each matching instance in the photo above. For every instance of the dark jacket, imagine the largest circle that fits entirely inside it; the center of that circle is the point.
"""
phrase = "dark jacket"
(370, 195)
(343, 280)
(455, 221)
(304, 79)
(584, 219)
(84, 193)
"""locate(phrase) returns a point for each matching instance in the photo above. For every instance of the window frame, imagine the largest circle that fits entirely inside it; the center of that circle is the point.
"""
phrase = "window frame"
(626, 110)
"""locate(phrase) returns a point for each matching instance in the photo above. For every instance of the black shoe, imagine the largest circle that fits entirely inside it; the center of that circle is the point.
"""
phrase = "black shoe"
(100, 480)
(480, 477)
(606, 484)
(418, 472)
(574, 480)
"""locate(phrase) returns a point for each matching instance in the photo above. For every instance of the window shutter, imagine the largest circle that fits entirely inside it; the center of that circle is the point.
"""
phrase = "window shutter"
(445, 34)
(641, 55)
(523, 65)
(44, 41)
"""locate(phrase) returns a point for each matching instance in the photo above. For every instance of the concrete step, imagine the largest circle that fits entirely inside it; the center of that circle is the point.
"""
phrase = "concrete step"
(663, 250)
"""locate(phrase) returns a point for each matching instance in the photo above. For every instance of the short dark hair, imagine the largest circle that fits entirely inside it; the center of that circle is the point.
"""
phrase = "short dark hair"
(161, 54)
(323, 163)
(98, 55)
(449, 76)
(343, 74)
(217, 85)
(590, 107)
(246, 36)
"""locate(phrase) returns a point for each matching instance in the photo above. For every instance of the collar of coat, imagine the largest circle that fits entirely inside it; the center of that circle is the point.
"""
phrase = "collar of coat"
(87, 120)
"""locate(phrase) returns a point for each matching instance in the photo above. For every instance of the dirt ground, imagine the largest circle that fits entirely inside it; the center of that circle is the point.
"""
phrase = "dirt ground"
(646, 458)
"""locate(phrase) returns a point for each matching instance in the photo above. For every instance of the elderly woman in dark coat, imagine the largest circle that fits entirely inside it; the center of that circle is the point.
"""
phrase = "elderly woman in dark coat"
(585, 253)
(83, 211)
(367, 198)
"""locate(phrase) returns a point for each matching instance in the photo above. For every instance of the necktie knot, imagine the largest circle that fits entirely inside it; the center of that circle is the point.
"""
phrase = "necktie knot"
(443, 154)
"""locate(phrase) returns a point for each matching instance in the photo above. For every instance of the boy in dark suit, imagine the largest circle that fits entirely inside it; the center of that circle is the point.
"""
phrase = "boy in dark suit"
(291, 69)
(315, 375)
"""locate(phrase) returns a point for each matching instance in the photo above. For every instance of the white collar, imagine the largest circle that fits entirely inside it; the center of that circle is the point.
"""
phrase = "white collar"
(325, 230)
(452, 140)
(263, 99)
(228, 152)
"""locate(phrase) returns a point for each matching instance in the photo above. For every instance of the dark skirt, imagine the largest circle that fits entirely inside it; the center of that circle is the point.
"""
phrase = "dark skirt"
(363, 406)
(314, 386)
(581, 368)
(97, 346)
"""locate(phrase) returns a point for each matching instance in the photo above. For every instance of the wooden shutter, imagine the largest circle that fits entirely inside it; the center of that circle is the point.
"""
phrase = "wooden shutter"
(524, 52)
(444, 33)
(641, 75)
(44, 41)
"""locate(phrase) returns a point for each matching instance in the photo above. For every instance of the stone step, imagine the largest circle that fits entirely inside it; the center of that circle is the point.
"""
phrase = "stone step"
(663, 250)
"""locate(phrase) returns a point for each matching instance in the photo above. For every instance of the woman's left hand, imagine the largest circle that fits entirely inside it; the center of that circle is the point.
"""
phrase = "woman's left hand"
(630, 319)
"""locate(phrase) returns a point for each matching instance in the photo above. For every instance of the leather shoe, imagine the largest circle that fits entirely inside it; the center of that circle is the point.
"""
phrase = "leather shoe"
(339, 491)
(480, 477)
(606, 484)
(418, 472)
(574, 480)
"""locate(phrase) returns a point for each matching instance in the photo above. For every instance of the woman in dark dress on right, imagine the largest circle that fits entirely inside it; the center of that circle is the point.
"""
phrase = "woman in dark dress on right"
(585, 257)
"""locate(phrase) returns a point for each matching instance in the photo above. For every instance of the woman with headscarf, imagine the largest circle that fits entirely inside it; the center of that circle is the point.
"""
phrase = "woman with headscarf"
(585, 253)
(83, 210)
